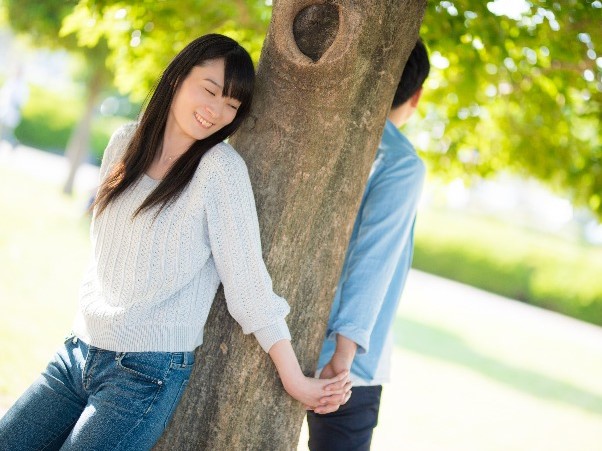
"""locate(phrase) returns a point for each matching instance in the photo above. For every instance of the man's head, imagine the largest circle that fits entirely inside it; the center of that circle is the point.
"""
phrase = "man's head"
(409, 88)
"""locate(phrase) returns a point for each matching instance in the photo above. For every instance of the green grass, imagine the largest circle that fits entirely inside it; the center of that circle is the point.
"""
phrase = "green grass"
(43, 251)
(536, 268)
(490, 378)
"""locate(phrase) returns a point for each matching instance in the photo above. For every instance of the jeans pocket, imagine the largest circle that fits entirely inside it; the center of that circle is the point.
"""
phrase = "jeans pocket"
(148, 366)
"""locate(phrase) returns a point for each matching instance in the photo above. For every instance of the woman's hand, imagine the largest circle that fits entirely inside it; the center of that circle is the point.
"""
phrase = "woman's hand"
(321, 395)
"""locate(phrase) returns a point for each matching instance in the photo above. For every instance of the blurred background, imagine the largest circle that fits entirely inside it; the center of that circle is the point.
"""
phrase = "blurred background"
(509, 127)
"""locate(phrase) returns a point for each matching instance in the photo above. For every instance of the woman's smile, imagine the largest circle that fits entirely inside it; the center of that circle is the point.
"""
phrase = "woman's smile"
(203, 122)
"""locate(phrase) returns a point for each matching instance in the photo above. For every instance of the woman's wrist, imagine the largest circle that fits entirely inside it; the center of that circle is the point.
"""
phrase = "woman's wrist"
(292, 380)
(287, 365)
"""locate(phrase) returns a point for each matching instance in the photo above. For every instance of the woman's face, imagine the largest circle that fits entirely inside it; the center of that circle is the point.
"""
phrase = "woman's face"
(198, 108)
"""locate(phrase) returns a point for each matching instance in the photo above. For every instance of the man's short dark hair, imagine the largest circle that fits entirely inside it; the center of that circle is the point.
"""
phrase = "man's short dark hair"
(416, 70)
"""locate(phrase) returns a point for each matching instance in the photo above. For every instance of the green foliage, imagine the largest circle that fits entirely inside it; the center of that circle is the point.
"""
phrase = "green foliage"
(43, 126)
(520, 264)
(40, 20)
(144, 36)
(520, 93)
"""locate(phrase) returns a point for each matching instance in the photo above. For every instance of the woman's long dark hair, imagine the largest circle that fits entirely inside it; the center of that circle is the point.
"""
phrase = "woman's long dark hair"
(239, 78)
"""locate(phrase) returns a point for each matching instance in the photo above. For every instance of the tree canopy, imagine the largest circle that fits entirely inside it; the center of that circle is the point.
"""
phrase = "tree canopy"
(517, 89)
(42, 22)
(144, 36)
(516, 85)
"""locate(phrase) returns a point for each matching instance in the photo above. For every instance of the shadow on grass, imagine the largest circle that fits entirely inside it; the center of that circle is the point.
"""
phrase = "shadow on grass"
(441, 344)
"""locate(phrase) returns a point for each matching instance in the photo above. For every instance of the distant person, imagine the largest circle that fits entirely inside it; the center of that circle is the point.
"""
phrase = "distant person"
(13, 95)
(378, 258)
(173, 218)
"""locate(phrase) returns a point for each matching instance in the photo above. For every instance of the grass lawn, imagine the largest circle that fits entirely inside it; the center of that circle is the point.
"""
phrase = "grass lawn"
(538, 268)
(43, 252)
(470, 373)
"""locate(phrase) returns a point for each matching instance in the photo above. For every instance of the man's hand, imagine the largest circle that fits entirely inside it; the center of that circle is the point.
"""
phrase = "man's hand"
(340, 361)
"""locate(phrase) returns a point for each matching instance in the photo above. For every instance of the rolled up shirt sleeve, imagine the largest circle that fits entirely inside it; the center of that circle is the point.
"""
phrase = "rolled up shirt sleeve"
(384, 228)
(236, 248)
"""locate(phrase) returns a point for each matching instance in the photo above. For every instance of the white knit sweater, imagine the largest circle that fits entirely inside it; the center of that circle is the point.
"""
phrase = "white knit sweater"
(151, 281)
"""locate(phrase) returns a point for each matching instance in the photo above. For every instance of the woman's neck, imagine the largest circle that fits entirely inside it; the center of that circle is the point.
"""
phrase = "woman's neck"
(174, 143)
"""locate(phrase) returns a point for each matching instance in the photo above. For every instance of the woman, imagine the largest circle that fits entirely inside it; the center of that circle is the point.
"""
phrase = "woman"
(173, 218)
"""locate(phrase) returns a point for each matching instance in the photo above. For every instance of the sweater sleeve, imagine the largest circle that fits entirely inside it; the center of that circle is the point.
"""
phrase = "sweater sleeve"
(236, 249)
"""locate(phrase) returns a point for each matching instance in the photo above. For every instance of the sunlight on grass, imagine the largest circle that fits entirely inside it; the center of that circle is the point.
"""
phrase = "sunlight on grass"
(474, 372)
(481, 373)
(44, 250)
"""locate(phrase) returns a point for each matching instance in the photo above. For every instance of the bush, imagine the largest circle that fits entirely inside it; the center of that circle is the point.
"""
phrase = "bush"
(521, 264)
(48, 119)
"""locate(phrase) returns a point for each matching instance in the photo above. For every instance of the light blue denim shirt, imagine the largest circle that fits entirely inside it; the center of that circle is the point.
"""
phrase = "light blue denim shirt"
(378, 257)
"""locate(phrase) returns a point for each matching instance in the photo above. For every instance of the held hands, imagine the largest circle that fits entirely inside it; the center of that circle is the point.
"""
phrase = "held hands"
(321, 395)
(340, 362)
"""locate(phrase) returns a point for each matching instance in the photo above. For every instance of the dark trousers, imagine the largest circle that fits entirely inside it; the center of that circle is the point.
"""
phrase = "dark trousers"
(349, 428)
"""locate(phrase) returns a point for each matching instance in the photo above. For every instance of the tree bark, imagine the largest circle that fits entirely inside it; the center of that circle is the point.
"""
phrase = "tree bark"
(309, 144)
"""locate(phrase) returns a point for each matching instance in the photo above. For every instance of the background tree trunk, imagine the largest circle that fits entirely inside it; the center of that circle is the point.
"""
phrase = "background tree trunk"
(309, 145)
(79, 141)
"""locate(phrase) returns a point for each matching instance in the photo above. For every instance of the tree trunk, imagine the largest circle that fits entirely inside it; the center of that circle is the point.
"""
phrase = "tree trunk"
(309, 144)
(79, 141)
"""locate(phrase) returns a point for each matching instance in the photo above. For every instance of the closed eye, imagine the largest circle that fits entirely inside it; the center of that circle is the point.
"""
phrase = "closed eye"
(210, 92)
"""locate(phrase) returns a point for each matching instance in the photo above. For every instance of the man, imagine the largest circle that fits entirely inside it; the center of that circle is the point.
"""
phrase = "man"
(374, 273)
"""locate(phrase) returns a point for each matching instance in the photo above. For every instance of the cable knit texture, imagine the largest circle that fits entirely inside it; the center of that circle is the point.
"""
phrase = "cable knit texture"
(152, 280)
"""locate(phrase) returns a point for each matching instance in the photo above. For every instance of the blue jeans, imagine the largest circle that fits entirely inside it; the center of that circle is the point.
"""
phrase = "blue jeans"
(349, 428)
(92, 399)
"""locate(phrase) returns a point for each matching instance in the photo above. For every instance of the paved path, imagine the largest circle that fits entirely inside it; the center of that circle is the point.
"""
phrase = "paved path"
(47, 166)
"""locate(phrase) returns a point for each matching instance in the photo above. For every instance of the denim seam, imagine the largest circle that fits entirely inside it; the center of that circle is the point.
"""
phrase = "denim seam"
(152, 403)
(88, 371)
(175, 402)
(70, 426)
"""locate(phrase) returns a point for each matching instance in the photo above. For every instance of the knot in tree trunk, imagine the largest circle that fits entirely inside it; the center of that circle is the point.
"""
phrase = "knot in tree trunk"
(315, 28)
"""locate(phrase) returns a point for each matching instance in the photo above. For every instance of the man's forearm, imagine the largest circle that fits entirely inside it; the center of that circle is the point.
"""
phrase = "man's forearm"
(345, 350)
